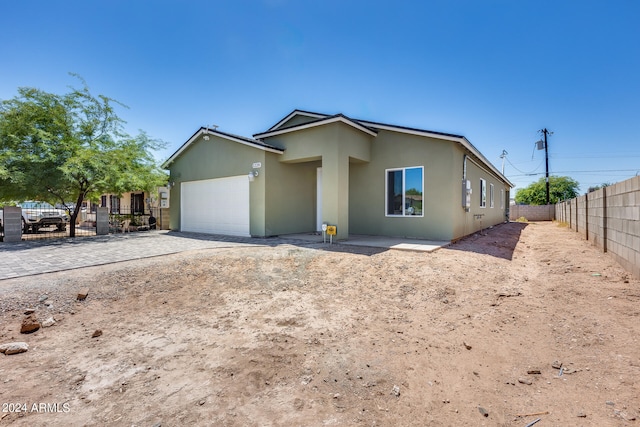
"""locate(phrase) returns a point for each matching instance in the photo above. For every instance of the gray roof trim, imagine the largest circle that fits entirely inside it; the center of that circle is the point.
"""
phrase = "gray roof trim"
(297, 113)
(323, 121)
(433, 134)
(231, 137)
(439, 135)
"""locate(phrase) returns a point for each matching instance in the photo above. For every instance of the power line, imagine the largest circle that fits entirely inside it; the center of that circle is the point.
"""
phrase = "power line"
(592, 156)
(585, 171)
(523, 172)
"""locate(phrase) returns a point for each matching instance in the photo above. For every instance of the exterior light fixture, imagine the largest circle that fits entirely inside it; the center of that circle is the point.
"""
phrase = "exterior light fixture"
(252, 175)
(206, 131)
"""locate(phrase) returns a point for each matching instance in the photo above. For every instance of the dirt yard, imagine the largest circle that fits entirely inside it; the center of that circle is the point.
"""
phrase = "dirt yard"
(521, 322)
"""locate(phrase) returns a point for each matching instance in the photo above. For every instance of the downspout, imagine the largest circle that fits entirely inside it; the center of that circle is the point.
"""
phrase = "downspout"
(464, 167)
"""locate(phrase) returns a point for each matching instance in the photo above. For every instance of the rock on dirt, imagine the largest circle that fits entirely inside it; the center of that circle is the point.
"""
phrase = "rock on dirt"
(14, 348)
(48, 322)
(82, 294)
(29, 324)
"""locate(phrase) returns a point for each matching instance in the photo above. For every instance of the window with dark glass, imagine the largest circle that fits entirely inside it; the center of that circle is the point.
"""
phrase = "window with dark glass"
(114, 203)
(404, 191)
(137, 203)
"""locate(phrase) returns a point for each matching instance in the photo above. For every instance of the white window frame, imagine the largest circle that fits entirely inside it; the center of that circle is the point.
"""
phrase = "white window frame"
(502, 198)
(483, 193)
(404, 181)
(491, 195)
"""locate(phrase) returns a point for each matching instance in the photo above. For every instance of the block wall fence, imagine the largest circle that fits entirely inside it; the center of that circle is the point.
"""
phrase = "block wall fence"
(610, 219)
(532, 212)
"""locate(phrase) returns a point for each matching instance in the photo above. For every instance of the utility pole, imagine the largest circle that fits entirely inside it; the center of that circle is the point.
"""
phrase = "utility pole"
(545, 132)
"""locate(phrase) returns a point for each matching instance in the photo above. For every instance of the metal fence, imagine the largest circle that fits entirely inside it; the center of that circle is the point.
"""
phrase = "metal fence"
(128, 221)
(39, 220)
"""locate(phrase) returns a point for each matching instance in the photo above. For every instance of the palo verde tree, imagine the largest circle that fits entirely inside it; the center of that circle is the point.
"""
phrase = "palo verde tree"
(71, 147)
(560, 188)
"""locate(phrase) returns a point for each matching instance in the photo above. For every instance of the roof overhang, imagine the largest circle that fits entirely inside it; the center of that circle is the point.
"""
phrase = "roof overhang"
(439, 135)
(338, 118)
(260, 145)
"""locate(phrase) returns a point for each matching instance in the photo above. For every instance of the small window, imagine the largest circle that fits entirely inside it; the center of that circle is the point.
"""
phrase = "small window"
(114, 204)
(404, 191)
(502, 198)
(137, 203)
(483, 193)
(491, 195)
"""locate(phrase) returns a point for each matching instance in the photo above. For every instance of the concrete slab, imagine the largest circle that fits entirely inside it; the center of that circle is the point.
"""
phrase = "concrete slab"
(399, 243)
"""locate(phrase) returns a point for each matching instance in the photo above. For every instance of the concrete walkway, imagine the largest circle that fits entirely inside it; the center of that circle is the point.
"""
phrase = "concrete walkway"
(28, 258)
(417, 245)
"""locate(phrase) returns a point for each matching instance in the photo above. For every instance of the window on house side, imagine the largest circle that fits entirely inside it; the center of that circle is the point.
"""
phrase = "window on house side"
(502, 199)
(483, 193)
(114, 202)
(490, 195)
(137, 203)
(404, 191)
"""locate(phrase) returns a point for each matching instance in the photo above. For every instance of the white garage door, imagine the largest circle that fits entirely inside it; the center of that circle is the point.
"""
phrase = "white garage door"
(216, 206)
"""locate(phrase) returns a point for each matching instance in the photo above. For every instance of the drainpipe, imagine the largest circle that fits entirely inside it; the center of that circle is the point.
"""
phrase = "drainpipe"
(464, 167)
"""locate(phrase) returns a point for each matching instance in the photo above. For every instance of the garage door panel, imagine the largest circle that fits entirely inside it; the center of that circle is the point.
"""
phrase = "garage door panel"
(216, 206)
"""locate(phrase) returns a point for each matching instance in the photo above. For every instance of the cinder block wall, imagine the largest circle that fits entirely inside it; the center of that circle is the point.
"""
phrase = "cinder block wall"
(610, 219)
(581, 216)
(532, 213)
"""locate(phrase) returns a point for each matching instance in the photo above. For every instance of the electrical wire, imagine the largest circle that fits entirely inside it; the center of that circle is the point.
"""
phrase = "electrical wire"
(523, 172)
(586, 171)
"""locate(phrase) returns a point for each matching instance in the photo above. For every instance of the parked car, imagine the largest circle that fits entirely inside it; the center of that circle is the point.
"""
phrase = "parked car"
(36, 215)
(67, 208)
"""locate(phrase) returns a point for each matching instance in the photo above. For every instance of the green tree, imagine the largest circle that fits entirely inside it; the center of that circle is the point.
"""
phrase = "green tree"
(560, 188)
(597, 187)
(71, 147)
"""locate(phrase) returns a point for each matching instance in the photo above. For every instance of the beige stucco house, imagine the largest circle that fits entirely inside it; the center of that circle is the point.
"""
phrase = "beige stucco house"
(311, 169)
(140, 206)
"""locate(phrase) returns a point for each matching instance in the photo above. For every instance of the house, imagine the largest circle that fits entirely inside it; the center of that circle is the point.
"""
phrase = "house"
(139, 206)
(311, 169)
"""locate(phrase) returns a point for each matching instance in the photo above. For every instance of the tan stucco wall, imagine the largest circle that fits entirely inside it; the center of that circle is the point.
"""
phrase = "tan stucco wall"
(477, 218)
(332, 146)
(444, 217)
(290, 196)
(219, 158)
(367, 195)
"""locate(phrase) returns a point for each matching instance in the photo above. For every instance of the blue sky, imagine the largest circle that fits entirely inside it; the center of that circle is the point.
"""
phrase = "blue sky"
(495, 71)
